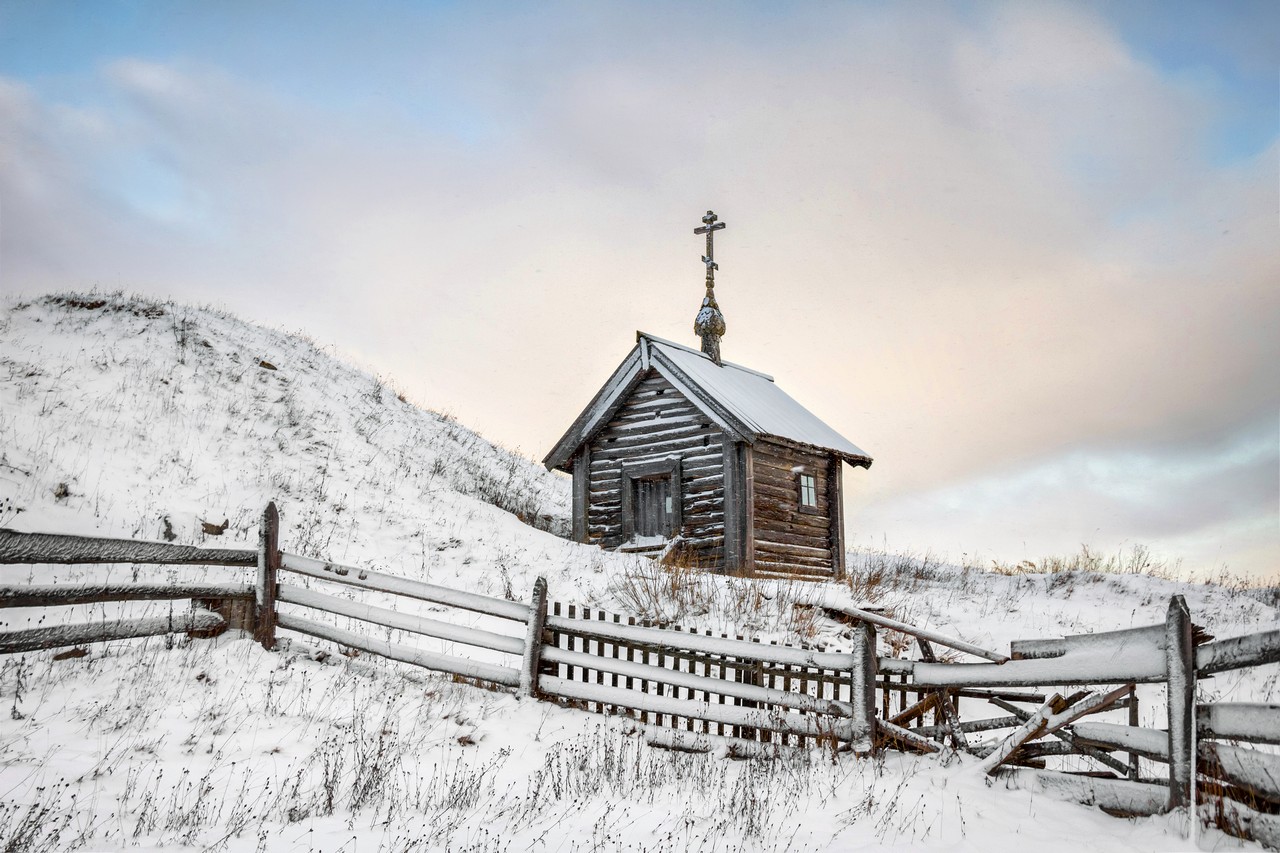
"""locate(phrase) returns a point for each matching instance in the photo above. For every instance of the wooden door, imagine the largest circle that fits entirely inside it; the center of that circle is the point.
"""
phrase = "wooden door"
(653, 508)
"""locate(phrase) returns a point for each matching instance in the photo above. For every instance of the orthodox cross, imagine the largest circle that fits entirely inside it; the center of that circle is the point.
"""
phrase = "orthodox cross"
(709, 324)
(710, 227)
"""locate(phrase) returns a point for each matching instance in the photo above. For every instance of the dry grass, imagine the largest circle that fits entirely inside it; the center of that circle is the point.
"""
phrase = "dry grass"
(677, 591)
(1137, 560)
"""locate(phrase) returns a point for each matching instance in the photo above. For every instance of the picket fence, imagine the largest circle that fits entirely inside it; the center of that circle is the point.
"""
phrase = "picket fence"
(685, 689)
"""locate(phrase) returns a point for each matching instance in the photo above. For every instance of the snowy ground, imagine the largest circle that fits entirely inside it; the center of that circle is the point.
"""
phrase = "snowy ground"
(144, 420)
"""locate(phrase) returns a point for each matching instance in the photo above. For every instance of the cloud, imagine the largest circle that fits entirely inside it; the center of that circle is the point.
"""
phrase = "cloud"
(989, 245)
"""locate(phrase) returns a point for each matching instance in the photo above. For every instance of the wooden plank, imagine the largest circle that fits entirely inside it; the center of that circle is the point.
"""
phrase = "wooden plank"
(504, 675)
(1031, 728)
(386, 618)
(862, 686)
(264, 615)
(734, 506)
(945, 703)
(1180, 659)
(1058, 646)
(651, 703)
(971, 726)
(1252, 770)
(835, 502)
(1238, 652)
(52, 595)
(749, 523)
(533, 646)
(814, 546)
(1152, 744)
(581, 489)
(890, 731)
(1069, 739)
(56, 636)
(820, 599)
(368, 579)
(1115, 796)
(1252, 721)
(20, 548)
(1052, 716)
(655, 637)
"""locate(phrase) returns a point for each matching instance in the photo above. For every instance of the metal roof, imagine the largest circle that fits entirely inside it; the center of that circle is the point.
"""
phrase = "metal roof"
(747, 404)
(755, 400)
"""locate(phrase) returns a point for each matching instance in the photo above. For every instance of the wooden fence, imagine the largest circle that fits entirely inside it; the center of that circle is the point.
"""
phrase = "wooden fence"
(691, 690)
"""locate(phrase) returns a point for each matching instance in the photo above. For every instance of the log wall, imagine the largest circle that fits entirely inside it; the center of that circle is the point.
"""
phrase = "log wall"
(657, 422)
(788, 538)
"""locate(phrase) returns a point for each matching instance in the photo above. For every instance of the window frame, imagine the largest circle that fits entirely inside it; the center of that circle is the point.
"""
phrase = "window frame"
(800, 491)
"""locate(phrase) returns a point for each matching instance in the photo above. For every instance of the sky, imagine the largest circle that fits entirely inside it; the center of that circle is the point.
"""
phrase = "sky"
(1024, 254)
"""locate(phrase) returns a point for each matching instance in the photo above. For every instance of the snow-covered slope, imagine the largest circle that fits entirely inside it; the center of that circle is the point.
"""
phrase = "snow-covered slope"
(122, 416)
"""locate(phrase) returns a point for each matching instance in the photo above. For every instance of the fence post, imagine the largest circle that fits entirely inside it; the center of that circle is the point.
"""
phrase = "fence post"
(265, 588)
(862, 689)
(1134, 721)
(533, 640)
(1180, 660)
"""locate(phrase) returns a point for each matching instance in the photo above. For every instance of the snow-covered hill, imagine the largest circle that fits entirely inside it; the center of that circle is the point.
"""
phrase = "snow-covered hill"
(123, 416)
(130, 417)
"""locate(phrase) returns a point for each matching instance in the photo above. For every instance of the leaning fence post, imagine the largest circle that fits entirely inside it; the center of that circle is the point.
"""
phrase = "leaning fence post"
(265, 588)
(862, 689)
(1180, 660)
(533, 640)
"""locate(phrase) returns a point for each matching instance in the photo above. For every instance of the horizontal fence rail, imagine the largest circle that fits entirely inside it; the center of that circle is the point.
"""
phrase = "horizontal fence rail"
(686, 689)
(24, 548)
(33, 639)
(49, 595)
(380, 582)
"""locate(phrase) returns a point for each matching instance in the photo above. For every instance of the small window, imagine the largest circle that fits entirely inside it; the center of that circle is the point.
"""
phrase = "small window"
(808, 491)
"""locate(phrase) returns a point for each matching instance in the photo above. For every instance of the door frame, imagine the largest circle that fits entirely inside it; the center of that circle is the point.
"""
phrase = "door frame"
(632, 471)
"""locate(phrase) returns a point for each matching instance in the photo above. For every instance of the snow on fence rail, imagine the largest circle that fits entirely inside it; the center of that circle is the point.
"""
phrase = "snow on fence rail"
(690, 690)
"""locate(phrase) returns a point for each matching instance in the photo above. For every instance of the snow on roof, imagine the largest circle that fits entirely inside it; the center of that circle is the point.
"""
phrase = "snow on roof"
(753, 399)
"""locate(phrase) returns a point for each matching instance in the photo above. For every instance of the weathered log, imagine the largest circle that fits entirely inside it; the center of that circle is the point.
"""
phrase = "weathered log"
(1069, 738)
(1031, 728)
(1238, 652)
(971, 726)
(862, 689)
(1180, 658)
(1116, 796)
(1052, 716)
(533, 640)
(264, 629)
(1253, 770)
(669, 639)
(945, 703)
(58, 549)
(1110, 640)
(52, 595)
(1257, 722)
(1149, 743)
(886, 730)
(692, 682)
(381, 616)
(56, 636)
(702, 742)
(504, 675)
(368, 579)
(819, 598)
(619, 697)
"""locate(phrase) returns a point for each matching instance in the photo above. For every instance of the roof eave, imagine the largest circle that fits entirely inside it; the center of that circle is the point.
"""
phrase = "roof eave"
(854, 459)
(584, 425)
